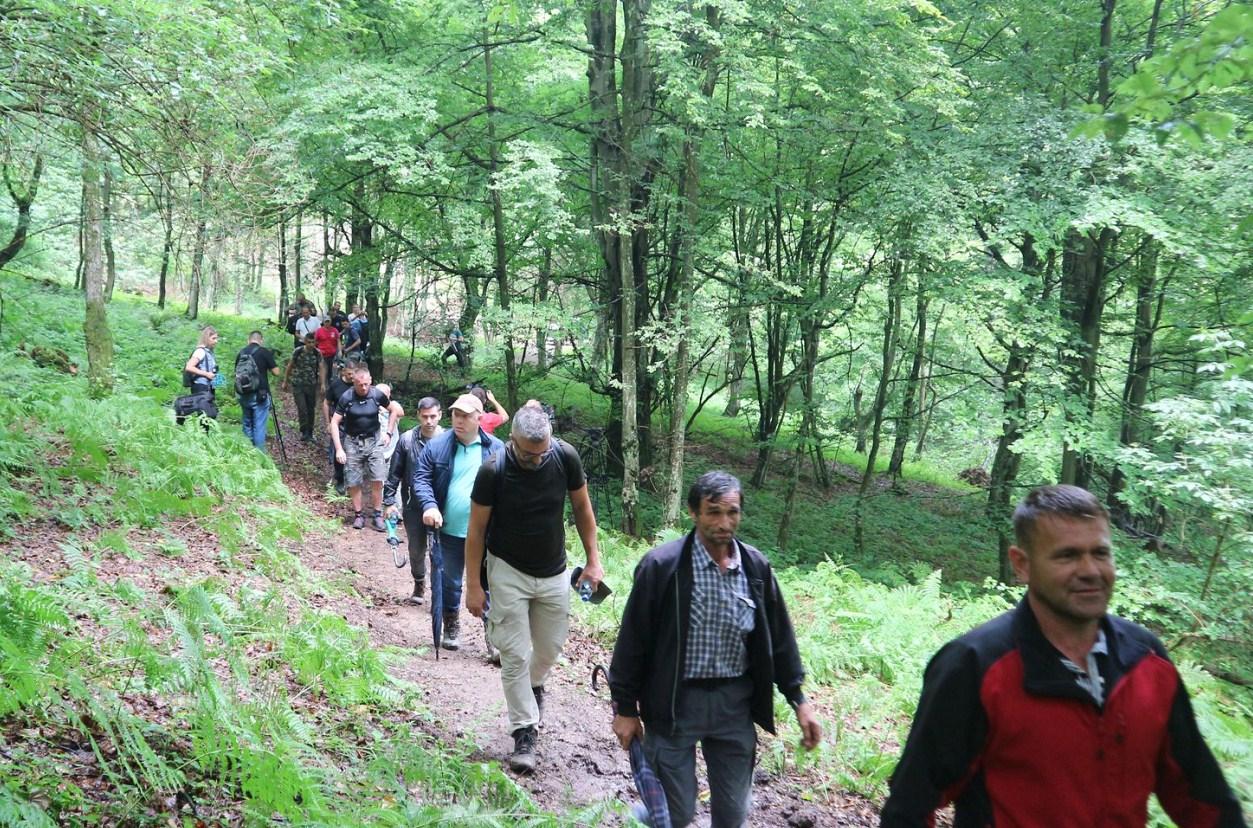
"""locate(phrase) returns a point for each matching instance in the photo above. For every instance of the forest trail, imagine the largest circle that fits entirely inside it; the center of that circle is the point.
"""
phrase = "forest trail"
(580, 761)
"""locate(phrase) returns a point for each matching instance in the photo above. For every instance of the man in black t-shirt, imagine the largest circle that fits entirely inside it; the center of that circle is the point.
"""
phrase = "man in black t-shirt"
(337, 383)
(362, 446)
(255, 405)
(517, 512)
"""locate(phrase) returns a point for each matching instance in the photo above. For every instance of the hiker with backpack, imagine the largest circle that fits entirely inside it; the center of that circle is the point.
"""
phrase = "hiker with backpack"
(399, 486)
(201, 370)
(253, 365)
(517, 523)
(200, 377)
(362, 444)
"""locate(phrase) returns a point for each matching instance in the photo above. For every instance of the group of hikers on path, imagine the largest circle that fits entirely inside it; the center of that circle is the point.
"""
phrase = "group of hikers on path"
(1056, 713)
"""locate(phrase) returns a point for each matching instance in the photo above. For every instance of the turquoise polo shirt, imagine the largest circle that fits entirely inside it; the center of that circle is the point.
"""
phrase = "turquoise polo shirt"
(465, 467)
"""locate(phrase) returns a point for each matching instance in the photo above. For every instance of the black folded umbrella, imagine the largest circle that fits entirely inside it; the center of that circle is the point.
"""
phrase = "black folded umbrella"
(652, 795)
(437, 591)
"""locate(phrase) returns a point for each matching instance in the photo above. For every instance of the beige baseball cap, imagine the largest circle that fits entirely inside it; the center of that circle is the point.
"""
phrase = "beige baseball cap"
(467, 404)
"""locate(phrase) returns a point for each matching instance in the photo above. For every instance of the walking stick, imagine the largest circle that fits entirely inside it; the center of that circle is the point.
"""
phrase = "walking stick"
(278, 431)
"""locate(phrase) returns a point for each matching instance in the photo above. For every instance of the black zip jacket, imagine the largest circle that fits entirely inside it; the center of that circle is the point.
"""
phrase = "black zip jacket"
(647, 667)
(404, 463)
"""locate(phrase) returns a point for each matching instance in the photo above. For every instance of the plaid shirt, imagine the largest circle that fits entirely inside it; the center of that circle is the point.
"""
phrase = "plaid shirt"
(722, 616)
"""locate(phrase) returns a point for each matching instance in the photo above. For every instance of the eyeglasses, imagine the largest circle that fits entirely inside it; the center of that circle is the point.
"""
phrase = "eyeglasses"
(528, 455)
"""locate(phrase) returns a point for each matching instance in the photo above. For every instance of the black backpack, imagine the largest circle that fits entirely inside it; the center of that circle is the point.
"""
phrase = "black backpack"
(247, 374)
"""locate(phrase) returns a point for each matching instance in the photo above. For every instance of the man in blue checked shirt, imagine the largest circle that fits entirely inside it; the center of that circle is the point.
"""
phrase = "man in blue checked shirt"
(704, 635)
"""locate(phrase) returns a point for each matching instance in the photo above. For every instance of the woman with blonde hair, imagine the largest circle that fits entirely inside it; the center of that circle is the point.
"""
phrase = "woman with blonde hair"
(201, 369)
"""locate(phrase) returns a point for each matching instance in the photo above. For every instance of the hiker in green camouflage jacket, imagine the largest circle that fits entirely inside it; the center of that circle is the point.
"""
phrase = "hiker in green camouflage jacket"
(302, 379)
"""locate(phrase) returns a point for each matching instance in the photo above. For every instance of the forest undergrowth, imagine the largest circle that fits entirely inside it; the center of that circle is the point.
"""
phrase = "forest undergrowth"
(210, 685)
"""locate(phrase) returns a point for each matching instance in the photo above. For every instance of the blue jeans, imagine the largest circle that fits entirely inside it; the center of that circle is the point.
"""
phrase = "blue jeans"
(255, 410)
(454, 570)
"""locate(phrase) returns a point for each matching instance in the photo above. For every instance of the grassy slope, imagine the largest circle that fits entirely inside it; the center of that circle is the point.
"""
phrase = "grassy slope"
(205, 684)
(866, 624)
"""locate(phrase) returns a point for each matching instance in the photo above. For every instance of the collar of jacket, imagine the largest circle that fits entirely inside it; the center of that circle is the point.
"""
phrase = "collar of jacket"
(1043, 671)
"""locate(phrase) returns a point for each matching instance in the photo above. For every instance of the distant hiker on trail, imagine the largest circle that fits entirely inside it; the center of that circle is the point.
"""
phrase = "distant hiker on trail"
(327, 340)
(441, 484)
(384, 419)
(490, 419)
(456, 348)
(1056, 712)
(705, 632)
(307, 324)
(358, 339)
(360, 448)
(517, 517)
(339, 383)
(301, 378)
(201, 370)
(400, 476)
(253, 365)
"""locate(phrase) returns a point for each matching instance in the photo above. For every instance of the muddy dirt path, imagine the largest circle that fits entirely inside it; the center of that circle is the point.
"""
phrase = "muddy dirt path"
(580, 761)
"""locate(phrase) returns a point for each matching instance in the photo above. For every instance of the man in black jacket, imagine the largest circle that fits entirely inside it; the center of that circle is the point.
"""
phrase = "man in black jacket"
(705, 634)
(404, 464)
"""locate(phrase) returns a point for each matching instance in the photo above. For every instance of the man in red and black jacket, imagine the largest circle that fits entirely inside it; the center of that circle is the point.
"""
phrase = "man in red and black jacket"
(1057, 714)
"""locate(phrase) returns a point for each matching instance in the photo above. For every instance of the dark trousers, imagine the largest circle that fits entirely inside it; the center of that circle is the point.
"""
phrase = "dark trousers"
(457, 351)
(306, 407)
(721, 720)
(337, 469)
(416, 533)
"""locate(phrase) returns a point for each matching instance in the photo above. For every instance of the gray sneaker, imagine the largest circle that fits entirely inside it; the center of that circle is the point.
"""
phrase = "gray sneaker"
(359, 521)
(452, 632)
(523, 758)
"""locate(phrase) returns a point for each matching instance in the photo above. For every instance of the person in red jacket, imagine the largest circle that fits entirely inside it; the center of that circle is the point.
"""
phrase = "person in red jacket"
(1057, 714)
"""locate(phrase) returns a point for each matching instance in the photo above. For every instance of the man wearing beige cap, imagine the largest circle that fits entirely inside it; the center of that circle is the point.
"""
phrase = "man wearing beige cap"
(442, 482)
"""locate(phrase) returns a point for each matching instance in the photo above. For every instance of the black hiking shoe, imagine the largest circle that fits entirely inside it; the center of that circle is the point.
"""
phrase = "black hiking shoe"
(539, 702)
(377, 524)
(523, 758)
(359, 521)
(416, 598)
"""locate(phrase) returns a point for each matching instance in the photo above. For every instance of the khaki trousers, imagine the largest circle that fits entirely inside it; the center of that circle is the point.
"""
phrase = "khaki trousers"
(528, 622)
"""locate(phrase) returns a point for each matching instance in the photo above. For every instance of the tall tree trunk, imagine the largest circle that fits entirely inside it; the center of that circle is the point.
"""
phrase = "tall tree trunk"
(630, 434)
(679, 368)
(96, 332)
(23, 197)
(1005, 465)
(891, 334)
(197, 254)
(1084, 265)
(542, 292)
(298, 249)
(106, 227)
(908, 414)
(282, 270)
(166, 204)
(79, 280)
(737, 347)
(1149, 303)
(927, 400)
(500, 267)
(704, 54)
(789, 499)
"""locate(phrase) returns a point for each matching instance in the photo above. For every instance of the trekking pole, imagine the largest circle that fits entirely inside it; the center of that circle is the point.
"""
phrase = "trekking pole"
(278, 431)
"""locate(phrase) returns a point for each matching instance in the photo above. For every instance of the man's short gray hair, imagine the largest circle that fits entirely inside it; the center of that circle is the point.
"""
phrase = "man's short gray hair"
(531, 423)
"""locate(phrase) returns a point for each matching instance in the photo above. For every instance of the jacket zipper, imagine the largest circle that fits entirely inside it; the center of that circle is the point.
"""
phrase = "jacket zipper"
(678, 653)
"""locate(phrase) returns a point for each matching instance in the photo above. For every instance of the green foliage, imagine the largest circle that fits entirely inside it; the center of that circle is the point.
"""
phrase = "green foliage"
(244, 694)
